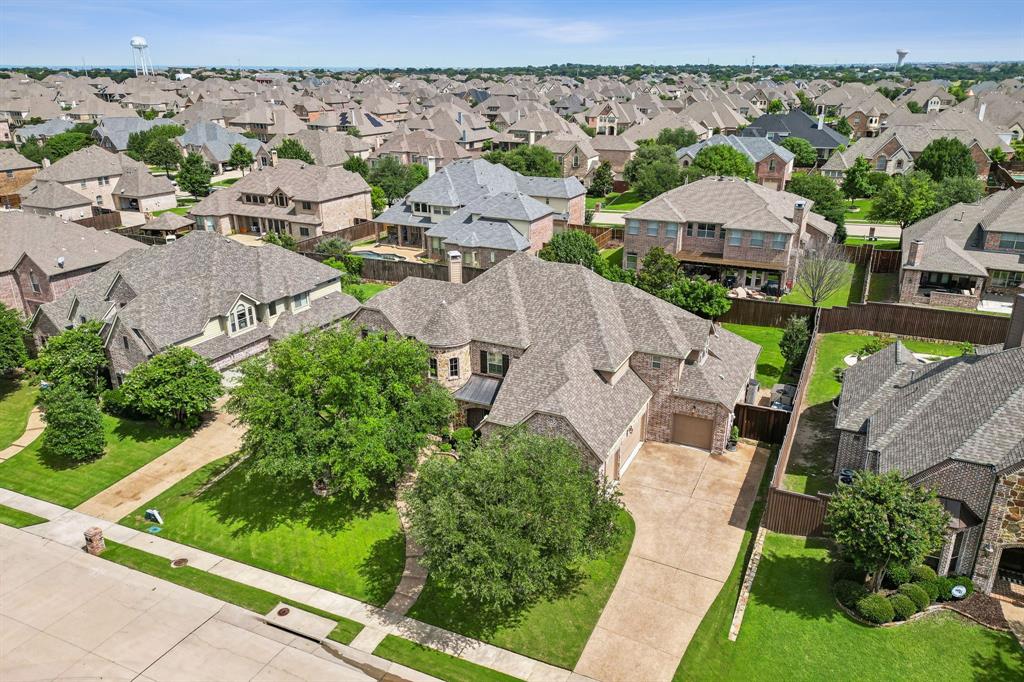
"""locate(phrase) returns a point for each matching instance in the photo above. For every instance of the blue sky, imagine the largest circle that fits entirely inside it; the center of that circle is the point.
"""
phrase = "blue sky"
(481, 33)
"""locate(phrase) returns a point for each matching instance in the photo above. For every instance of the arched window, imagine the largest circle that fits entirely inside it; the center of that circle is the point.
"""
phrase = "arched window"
(881, 163)
(242, 317)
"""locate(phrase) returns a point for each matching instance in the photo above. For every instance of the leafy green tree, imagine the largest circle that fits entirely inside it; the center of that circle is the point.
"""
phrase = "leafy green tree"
(721, 159)
(511, 521)
(356, 164)
(241, 158)
(828, 200)
(659, 271)
(656, 178)
(74, 357)
(775, 106)
(882, 521)
(855, 183)
(796, 337)
(603, 181)
(32, 150)
(572, 246)
(173, 387)
(140, 141)
(587, 130)
(194, 175)
(164, 154)
(914, 107)
(959, 189)
(905, 199)
(335, 246)
(843, 127)
(293, 149)
(149, 114)
(282, 239)
(528, 159)
(677, 138)
(877, 180)
(946, 157)
(74, 425)
(378, 200)
(59, 146)
(13, 353)
(415, 173)
(349, 414)
(699, 296)
(805, 154)
(996, 155)
(647, 155)
(806, 103)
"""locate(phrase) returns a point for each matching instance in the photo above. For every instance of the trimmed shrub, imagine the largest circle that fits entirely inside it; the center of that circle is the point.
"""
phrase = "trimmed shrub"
(875, 608)
(916, 594)
(921, 573)
(897, 575)
(844, 570)
(114, 403)
(849, 593)
(902, 607)
(931, 587)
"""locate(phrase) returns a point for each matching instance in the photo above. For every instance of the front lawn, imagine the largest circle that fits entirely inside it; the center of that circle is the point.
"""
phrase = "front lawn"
(227, 182)
(843, 297)
(15, 518)
(553, 631)
(365, 290)
(770, 364)
(626, 201)
(16, 401)
(793, 630)
(355, 550)
(861, 215)
(130, 445)
(436, 663)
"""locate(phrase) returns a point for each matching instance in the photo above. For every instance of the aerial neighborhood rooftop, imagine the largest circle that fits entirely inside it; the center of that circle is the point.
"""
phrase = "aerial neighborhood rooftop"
(566, 373)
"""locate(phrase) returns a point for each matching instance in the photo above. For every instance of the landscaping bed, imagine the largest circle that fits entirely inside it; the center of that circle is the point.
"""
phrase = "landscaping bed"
(353, 549)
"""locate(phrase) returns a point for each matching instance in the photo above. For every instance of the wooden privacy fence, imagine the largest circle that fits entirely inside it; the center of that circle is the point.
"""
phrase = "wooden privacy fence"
(102, 221)
(764, 313)
(798, 401)
(794, 513)
(396, 271)
(601, 235)
(761, 423)
(352, 233)
(881, 260)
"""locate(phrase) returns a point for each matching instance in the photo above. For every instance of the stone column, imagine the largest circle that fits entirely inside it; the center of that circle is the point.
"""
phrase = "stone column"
(94, 543)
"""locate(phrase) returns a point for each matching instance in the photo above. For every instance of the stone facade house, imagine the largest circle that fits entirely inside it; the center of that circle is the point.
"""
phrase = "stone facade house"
(290, 197)
(953, 426)
(575, 155)
(966, 253)
(224, 300)
(773, 164)
(563, 351)
(42, 256)
(729, 229)
(15, 172)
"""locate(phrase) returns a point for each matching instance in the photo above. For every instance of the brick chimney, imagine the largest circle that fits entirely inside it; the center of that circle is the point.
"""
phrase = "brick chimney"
(914, 253)
(273, 157)
(821, 121)
(431, 165)
(981, 111)
(800, 214)
(455, 267)
(1015, 337)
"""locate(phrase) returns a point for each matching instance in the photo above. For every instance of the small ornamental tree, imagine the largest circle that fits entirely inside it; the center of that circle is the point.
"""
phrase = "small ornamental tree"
(356, 164)
(843, 127)
(293, 149)
(572, 246)
(775, 106)
(74, 425)
(164, 154)
(963, 189)
(721, 159)
(511, 521)
(174, 387)
(913, 107)
(699, 296)
(13, 353)
(823, 271)
(855, 182)
(881, 521)
(241, 158)
(805, 154)
(194, 175)
(806, 103)
(602, 182)
(796, 337)
(946, 157)
(828, 200)
(378, 200)
(74, 357)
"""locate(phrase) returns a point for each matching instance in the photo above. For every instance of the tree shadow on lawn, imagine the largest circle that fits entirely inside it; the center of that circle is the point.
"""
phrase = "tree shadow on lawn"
(382, 568)
(996, 668)
(142, 431)
(800, 585)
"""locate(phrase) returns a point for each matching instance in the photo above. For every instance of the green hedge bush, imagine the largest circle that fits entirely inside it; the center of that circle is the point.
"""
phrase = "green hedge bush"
(875, 608)
(902, 606)
(922, 573)
(897, 575)
(932, 587)
(848, 592)
(946, 586)
(916, 594)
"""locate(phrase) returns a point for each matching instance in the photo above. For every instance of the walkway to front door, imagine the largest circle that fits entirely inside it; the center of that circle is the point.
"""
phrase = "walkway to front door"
(690, 509)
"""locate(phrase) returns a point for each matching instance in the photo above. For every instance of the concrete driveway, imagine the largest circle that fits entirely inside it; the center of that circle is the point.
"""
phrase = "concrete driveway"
(690, 510)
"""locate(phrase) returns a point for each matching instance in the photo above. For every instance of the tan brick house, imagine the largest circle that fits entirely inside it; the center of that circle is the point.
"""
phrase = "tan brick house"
(773, 164)
(15, 172)
(563, 351)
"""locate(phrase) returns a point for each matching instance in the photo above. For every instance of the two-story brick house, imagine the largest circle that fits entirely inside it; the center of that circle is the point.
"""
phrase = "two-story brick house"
(966, 253)
(953, 426)
(15, 172)
(290, 197)
(773, 164)
(563, 351)
(224, 300)
(729, 229)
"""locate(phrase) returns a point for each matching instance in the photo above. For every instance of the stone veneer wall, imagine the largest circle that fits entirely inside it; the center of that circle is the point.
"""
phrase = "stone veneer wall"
(1003, 528)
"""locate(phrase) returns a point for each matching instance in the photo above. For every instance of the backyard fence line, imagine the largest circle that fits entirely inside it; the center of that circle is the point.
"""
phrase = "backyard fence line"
(761, 423)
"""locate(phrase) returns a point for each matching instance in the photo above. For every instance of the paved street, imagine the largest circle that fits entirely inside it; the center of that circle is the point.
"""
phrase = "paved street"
(690, 510)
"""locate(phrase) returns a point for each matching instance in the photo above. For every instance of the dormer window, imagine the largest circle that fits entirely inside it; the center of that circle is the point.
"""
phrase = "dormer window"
(300, 301)
(280, 200)
(242, 317)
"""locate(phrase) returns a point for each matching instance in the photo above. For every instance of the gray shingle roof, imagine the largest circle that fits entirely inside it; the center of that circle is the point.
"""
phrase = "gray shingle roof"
(46, 238)
(51, 195)
(755, 148)
(217, 140)
(12, 160)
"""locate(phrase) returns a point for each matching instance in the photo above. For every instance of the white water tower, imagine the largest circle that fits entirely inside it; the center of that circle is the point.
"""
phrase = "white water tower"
(140, 56)
(900, 56)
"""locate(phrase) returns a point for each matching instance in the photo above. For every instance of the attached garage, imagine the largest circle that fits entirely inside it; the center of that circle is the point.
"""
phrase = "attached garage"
(692, 431)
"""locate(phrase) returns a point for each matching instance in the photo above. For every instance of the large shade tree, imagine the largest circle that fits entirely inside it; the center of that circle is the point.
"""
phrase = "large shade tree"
(828, 200)
(75, 357)
(572, 246)
(528, 159)
(349, 414)
(806, 155)
(905, 199)
(74, 425)
(194, 175)
(13, 353)
(946, 157)
(173, 387)
(721, 159)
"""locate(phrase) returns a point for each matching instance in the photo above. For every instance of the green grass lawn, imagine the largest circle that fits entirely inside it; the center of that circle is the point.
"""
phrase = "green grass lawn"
(336, 544)
(770, 364)
(183, 207)
(436, 663)
(861, 216)
(626, 201)
(612, 256)
(16, 401)
(130, 444)
(844, 296)
(15, 518)
(225, 589)
(884, 286)
(365, 290)
(880, 244)
(551, 631)
(793, 630)
(227, 182)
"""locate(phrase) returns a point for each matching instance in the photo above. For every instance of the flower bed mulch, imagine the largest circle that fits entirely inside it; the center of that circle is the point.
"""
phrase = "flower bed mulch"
(982, 608)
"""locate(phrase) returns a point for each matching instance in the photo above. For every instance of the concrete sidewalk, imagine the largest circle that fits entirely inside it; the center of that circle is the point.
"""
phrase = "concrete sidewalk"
(32, 431)
(215, 439)
(66, 527)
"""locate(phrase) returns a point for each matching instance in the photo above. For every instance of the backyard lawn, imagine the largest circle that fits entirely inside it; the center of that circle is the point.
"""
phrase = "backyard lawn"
(336, 544)
(861, 216)
(884, 286)
(770, 364)
(612, 256)
(130, 444)
(844, 296)
(793, 630)
(626, 201)
(16, 401)
(183, 207)
(365, 290)
(553, 631)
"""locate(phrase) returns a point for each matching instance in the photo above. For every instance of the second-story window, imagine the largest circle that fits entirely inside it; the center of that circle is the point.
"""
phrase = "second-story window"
(655, 362)
(493, 363)
(453, 367)
(778, 241)
(433, 367)
(652, 229)
(771, 165)
(633, 227)
(735, 237)
(281, 200)
(671, 230)
(705, 230)
(757, 240)
(33, 281)
(307, 206)
(300, 301)
(1011, 241)
(242, 318)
